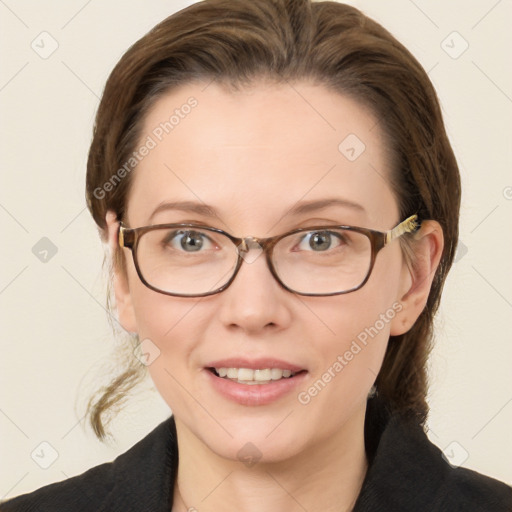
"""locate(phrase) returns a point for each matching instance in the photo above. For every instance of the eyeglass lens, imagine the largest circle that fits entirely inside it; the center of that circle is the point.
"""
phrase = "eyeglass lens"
(197, 261)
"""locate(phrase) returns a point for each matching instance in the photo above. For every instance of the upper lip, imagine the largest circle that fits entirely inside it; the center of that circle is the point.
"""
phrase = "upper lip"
(254, 364)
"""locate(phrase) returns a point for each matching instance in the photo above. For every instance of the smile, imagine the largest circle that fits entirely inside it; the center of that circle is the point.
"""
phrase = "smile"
(253, 376)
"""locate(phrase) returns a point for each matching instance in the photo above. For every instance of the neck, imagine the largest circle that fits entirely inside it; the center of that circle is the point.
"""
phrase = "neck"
(325, 477)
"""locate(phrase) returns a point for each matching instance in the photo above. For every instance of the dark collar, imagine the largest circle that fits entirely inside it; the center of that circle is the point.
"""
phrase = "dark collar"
(406, 473)
(409, 473)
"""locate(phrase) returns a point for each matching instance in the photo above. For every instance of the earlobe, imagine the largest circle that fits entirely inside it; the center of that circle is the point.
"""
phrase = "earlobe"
(418, 275)
(123, 298)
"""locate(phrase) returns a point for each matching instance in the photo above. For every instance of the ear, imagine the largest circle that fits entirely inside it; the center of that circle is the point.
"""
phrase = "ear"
(418, 274)
(124, 303)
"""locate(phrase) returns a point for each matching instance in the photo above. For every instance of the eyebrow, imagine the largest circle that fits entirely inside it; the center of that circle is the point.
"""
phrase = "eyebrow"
(299, 208)
(310, 206)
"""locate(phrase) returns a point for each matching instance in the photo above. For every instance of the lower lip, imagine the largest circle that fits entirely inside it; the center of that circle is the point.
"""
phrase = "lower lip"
(255, 394)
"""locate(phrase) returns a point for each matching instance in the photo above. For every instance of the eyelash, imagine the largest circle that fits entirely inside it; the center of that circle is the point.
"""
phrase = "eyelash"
(171, 237)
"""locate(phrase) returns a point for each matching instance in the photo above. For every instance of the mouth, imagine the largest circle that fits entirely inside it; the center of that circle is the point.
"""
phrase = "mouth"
(256, 381)
(258, 376)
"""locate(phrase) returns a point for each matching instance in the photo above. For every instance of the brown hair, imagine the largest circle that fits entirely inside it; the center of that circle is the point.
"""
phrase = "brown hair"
(236, 42)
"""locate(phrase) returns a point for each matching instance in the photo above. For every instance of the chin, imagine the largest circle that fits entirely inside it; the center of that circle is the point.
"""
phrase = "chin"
(260, 440)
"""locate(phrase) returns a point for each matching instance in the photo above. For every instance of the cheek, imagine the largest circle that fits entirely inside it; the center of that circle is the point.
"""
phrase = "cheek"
(172, 323)
(358, 331)
(158, 316)
(372, 307)
(351, 357)
(352, 332)
(169, 331)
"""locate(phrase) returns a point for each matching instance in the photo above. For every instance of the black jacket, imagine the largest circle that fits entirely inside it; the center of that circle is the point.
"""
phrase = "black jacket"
(406, 473)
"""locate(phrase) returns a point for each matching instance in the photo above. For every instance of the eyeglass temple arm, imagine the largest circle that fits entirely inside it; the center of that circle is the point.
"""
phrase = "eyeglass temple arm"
(409, 225)
(120, 236)
(125, 237)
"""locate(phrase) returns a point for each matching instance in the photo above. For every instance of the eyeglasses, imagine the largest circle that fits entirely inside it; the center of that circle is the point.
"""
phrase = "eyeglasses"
(191, 260)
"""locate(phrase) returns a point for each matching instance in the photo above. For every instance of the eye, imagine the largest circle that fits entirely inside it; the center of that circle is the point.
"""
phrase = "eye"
(188, 240)
(321, 241)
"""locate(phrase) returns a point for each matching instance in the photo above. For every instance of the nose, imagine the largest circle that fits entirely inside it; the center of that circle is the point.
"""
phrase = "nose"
(255, 301)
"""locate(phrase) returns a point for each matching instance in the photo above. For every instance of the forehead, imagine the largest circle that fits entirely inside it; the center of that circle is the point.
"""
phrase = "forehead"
(256, 152)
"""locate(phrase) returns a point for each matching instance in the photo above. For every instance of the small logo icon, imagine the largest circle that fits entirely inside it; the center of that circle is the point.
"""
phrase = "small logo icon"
(461, 251)
(44, 45)
(455, 454)
(44, 250)
(44, 455)
(454, 45)
(249, 455)
(250, 250)
(146, 352)
(351, 147)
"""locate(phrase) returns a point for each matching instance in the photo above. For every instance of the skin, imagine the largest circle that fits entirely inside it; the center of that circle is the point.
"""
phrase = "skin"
(252, 155)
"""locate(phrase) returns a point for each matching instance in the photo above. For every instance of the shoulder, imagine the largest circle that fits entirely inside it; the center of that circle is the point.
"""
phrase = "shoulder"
(407, 472)
(139, 477)
(465, 489)
(79, 493)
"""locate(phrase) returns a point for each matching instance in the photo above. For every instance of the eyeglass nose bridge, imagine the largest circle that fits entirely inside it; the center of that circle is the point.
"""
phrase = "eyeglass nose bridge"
(248, 243)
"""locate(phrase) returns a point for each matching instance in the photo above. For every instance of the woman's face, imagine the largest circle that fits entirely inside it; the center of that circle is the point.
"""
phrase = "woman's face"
(253, 156)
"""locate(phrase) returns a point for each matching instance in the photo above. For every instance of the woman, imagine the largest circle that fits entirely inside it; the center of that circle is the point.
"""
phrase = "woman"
(281, 202)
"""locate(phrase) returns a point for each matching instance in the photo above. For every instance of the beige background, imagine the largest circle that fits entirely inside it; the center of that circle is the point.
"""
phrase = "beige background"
(55, 335)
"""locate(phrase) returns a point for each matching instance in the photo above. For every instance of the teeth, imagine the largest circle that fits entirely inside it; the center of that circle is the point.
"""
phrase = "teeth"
(250, 376)
(276, 373)
(232, 373)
